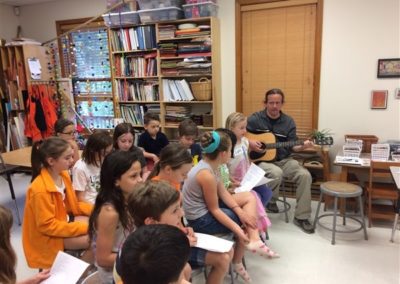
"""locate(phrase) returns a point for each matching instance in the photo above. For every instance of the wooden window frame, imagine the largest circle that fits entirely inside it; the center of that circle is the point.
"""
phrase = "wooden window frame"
(239, 5)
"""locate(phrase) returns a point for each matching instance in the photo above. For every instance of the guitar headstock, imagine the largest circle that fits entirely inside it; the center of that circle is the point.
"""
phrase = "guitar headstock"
(328, 140)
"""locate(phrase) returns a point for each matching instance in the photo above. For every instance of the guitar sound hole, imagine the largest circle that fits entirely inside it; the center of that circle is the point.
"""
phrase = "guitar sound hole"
(263, 147)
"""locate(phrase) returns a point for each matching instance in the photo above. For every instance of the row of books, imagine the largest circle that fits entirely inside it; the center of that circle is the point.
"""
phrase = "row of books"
(134, 113)
(176, 90)
(135, 38)
(137, 90)
(136, 66)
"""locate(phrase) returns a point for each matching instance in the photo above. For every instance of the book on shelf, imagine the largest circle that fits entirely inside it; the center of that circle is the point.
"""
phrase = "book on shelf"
(134, 38)
(176, 90)
(137, 90)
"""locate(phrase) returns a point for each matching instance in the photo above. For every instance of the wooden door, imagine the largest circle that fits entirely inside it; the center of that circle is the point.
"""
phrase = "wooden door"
(278, 50)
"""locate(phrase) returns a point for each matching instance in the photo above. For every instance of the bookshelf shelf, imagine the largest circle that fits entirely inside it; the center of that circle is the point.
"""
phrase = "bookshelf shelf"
(135, 51)
(169, 87)
(139, 102)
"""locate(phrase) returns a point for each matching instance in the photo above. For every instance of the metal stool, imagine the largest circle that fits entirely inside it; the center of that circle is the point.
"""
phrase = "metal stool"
(341, 190)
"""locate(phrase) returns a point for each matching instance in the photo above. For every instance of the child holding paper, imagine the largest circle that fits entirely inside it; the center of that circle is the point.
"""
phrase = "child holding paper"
(210, 209)
(156, 202)
(240, 162)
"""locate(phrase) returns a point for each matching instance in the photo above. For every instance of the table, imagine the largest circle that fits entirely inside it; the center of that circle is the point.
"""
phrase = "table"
(353, 168)
(395, 171)
(20, 157)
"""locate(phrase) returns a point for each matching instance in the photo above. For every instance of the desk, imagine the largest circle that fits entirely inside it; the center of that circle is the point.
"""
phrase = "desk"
(354, 168)
(20, 157)
(395, 171)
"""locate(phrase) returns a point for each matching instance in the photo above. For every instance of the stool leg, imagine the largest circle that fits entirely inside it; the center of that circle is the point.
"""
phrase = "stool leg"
(318, 207)
(362, 217)
(334, 220)
(284, 205)
(396, 219)
(344, 211)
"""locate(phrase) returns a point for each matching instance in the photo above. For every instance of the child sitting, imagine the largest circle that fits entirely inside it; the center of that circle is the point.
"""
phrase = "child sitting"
(110, 223)
(210, 209)
(8, 258)
(53, 218)
(188, 132)
(86, 171)
(124, 140)
(154, 254)
(152, 140)
(175, 162)
(65, 129)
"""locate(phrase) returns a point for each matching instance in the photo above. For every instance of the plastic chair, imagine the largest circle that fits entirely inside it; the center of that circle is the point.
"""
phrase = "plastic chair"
(93, 278)
(6, 170)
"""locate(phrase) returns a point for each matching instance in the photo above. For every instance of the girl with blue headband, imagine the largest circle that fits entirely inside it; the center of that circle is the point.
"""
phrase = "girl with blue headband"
(211, 209)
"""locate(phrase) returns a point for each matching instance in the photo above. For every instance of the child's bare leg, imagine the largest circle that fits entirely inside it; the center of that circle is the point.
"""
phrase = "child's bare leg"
(220, 265)
(80, 243)
(187, 272)
(247, 202)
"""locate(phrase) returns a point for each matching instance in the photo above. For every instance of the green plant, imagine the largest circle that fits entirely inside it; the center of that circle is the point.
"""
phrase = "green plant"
(320, 134)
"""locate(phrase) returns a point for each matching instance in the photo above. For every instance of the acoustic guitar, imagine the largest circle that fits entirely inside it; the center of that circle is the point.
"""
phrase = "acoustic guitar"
(269, 145)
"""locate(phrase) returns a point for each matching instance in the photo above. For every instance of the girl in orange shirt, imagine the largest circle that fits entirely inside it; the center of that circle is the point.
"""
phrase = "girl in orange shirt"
(53, 218)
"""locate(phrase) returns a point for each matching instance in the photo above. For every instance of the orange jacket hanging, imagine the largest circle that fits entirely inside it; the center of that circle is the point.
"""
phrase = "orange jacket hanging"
(40, 93)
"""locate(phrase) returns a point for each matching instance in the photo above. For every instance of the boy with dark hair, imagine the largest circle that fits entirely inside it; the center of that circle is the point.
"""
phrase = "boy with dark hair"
(152, 140)
(154, 254)
(188, 132)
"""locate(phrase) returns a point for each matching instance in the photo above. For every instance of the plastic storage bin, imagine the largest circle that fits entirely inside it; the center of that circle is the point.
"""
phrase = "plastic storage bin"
(121, 19)
(155, 4)
(199, 1)
(368, 140)
(160, 14)
(206, 9)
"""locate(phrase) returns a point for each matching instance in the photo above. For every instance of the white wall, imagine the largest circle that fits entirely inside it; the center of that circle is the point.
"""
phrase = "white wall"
(355, 34)
(8, 22)
(38, 21)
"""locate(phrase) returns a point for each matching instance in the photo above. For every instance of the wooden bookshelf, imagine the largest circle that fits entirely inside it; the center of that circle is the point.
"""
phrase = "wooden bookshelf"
(127, 90)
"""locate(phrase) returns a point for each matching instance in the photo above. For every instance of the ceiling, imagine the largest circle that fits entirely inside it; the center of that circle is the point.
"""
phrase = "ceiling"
(24, 2)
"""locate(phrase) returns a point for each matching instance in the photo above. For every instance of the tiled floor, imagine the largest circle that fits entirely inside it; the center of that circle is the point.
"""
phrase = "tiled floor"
(304, 258)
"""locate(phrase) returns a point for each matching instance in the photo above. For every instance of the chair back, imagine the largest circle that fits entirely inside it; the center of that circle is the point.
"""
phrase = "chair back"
(93, 278)
(380, 171)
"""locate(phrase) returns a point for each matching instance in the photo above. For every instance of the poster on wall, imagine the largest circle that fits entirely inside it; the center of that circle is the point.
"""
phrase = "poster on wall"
(389, 68)
(379, 99)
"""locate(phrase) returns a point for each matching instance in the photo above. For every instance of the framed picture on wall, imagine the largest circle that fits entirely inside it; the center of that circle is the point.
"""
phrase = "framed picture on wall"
(389, 68)
(379, 99)
(397, 94)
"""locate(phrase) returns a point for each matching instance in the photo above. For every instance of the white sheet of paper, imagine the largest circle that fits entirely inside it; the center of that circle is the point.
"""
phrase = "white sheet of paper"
(255, 176)
(66, 269)
(212, 243)
(35, 68)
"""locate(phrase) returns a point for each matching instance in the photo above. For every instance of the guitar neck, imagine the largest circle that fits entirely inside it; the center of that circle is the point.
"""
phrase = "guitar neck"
(283, 144)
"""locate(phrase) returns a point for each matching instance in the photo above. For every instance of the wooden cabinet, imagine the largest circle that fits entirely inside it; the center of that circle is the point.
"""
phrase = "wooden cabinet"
(153, 66)
(22, 66)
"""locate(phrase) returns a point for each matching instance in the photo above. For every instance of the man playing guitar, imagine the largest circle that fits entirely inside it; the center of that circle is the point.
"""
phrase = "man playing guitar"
(273, 120)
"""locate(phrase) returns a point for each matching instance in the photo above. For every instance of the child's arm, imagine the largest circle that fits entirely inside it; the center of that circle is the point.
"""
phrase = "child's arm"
(209, 187)
(190, 235)
(151, 156)
(107, 223)
(47, 223)
(37, 278)
(79, 183)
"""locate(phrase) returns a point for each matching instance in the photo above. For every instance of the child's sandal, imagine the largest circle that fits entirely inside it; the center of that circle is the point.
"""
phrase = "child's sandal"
(261, 249)
(241, 271)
